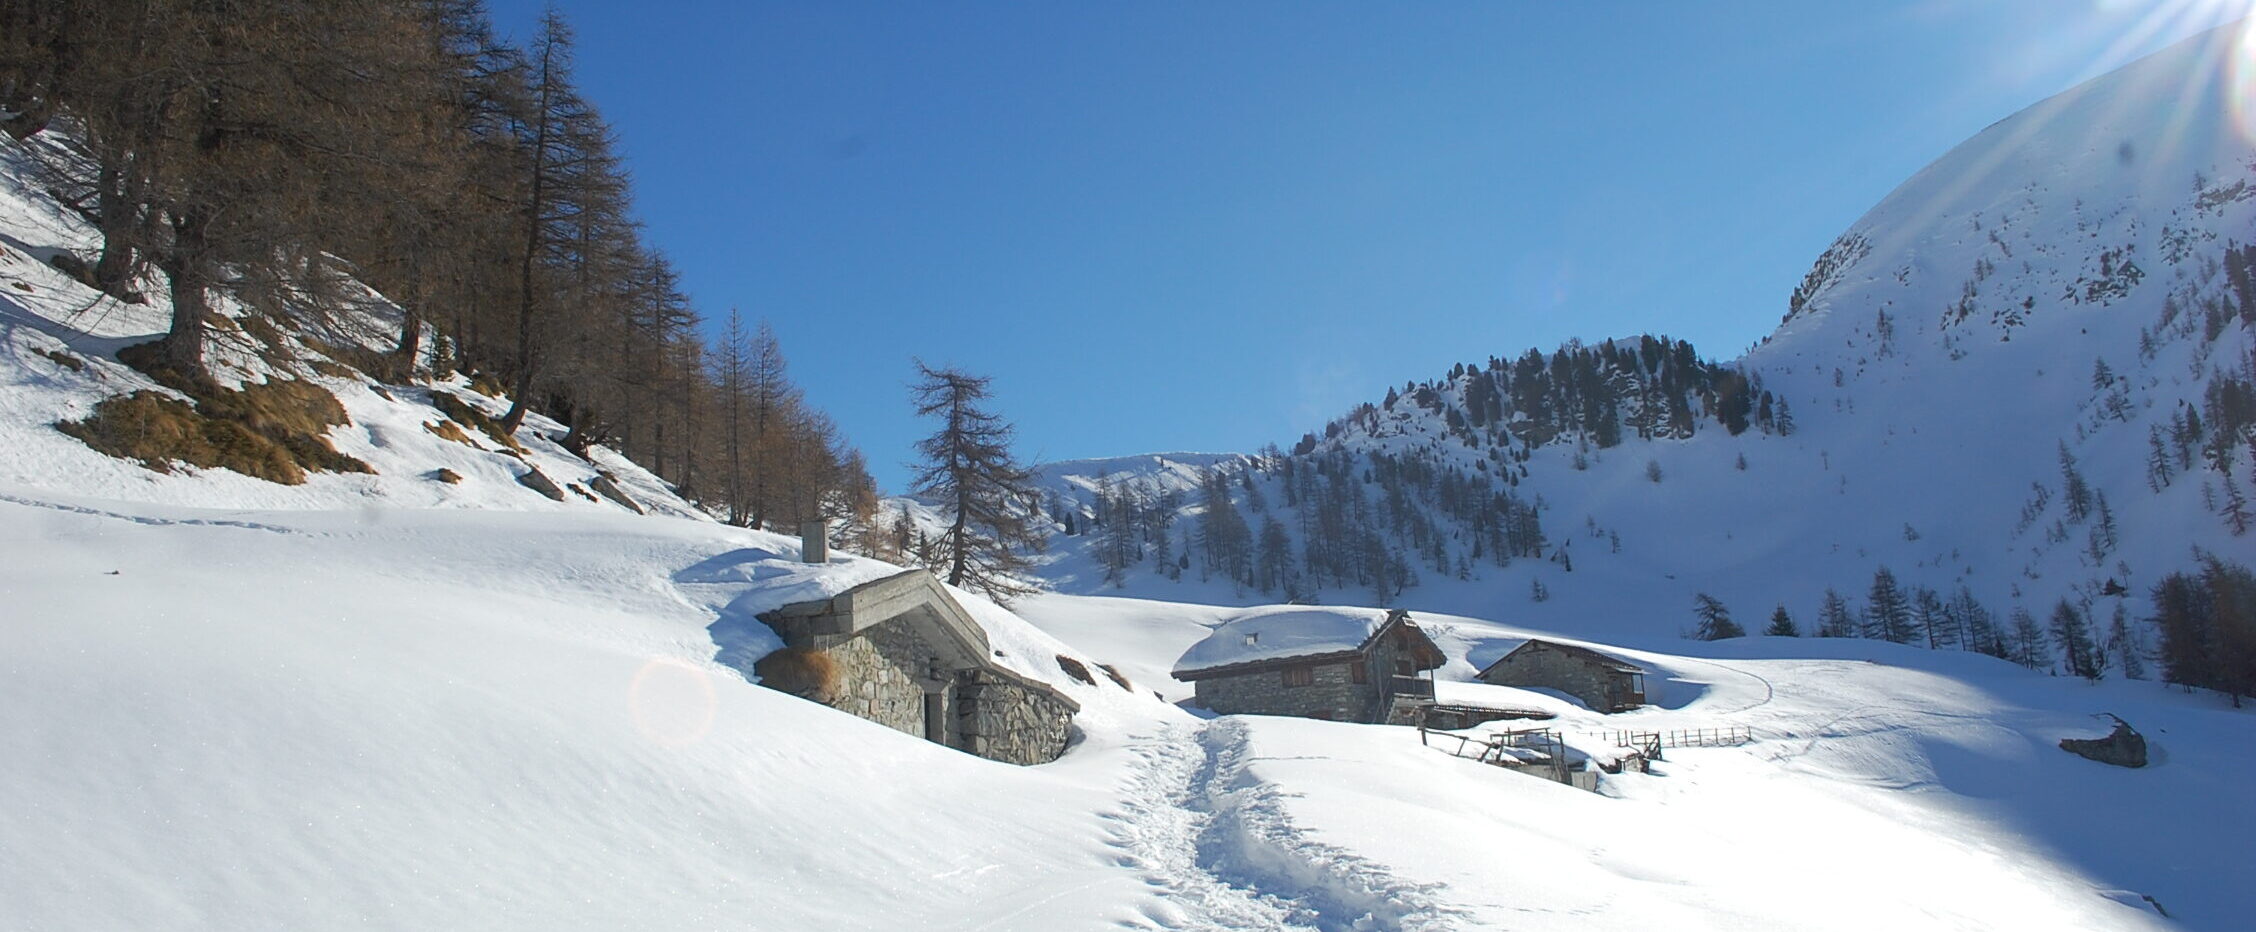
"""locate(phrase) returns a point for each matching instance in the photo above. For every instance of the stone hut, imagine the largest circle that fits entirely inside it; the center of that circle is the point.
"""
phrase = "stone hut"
(1602, 682)
(901, 652)
(1349, 665)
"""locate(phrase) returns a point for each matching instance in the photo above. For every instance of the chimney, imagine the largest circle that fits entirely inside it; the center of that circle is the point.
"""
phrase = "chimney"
(814, 542)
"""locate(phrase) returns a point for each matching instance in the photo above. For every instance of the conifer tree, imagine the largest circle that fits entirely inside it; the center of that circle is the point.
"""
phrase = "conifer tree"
(1933, 618)
(1834, 618)
(1713, 619)
(2075, 493)
(2234, 507)
(2207, 621)
(2072, 633)
(1982, 635)
(1887, 612)
(2027, 646)
(1782, 624)
(2157, 460)
(1273, 562)
(2122, 645)
(1223, 534)
(969, 473)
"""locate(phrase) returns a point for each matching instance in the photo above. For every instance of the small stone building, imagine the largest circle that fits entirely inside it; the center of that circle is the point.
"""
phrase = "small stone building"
(1350, 665)
(1602, 682)
(901, 652)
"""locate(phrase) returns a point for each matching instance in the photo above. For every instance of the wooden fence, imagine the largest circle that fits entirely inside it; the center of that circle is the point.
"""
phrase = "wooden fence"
(1732, 736)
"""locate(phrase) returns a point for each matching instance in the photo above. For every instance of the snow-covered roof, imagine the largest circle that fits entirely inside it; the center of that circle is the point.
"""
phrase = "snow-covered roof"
(1280, 632)
(1577, 651)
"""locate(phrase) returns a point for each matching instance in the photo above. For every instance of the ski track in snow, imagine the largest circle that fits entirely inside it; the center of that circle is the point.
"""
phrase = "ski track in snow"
(148, 520)
(1216, 843)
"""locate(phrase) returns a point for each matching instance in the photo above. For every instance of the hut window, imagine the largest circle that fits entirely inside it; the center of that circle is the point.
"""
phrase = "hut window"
(1303, 675)
(1404, 667)
(1359, 673)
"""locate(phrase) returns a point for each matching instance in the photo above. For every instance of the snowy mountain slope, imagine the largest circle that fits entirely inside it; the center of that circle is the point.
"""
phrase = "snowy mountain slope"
(58, 345)
(1910, 413)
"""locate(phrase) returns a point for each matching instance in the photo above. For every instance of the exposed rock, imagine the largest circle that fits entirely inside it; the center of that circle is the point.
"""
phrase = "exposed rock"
(607, 486)
(2123, 747)
(537, 481)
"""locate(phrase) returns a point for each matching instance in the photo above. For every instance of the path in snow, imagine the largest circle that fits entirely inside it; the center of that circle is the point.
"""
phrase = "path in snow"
(1216, 842)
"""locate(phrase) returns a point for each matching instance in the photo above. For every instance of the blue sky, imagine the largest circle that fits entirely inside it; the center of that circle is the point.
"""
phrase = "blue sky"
(1209, 226)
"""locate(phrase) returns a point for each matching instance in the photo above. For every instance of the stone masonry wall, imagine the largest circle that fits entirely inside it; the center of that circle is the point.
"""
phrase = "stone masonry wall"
(874, 678)
(883, 674)
(1000, 719)
(1598, 688)
(1333, 694)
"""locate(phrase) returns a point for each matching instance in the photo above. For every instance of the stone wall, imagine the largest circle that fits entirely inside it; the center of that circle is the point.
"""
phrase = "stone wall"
(1008, 719)
(877, 677)
(1333, 694)
(1601, 689)
(905, 655)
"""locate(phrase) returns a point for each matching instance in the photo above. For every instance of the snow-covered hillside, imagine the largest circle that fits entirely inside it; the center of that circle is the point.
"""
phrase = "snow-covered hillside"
(58, 358)
(1990, 384)
(414, 718)
(432, 696)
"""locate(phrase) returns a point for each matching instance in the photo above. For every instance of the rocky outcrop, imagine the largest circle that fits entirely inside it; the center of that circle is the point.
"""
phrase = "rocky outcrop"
(2123, 747)
(539, 481)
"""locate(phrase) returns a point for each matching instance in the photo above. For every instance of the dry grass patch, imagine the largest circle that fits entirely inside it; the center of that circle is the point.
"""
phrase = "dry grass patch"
(333, 370)
(447, 476)
(62, 359)
(1073, 668)
(1113, 673)
(467, 413)
(276, 430)
(449, 430)
(808, 674)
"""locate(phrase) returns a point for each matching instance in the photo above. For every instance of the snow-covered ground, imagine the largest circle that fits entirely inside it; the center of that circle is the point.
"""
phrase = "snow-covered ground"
(1886, 787)
(416, 718)
(389, 702)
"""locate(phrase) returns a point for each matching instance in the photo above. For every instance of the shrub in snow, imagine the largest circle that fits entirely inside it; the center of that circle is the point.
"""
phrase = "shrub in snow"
(808, 674)
(1075, 669)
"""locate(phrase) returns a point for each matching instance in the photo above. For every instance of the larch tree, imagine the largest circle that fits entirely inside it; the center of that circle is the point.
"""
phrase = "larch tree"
(1834, 620)
(2072, 632)
(1888, 612)
(1713, 619)
(969, 473)
(224, 133)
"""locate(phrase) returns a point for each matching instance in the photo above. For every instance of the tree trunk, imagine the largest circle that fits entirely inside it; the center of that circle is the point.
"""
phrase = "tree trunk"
(409, 350)
(114, 215)
(182, 349)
